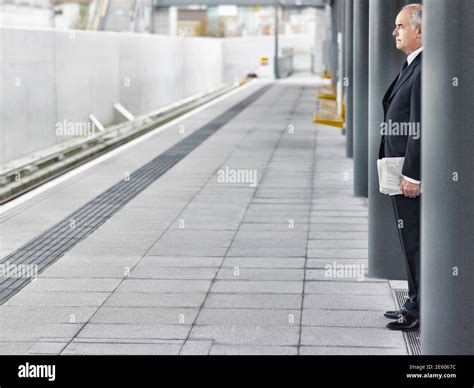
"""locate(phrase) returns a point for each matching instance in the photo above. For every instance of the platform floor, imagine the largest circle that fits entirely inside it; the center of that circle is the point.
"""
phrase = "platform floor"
(194, 265)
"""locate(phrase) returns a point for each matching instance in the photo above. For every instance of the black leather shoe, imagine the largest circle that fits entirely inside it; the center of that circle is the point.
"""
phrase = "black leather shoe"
(405, 323)
(394, 314)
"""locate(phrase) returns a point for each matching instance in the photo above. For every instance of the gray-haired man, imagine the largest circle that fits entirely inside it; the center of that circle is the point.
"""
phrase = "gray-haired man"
(402, 105)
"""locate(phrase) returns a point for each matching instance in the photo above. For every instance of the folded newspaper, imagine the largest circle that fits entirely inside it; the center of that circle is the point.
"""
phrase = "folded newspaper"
(390, 175)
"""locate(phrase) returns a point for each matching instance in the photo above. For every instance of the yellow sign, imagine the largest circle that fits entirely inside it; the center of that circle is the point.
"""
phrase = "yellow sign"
(264, 61)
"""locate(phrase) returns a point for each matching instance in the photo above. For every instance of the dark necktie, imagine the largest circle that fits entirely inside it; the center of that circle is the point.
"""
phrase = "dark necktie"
(404, 69)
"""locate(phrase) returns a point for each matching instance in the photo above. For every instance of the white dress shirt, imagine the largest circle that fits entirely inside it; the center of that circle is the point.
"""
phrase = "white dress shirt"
(413, 55)
(410, 59)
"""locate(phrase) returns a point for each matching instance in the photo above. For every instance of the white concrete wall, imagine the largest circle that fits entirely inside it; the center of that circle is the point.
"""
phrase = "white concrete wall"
(302, 45)
(28, 92)
(242, 55)
(24, 15)
(49, 76)
(320, 38)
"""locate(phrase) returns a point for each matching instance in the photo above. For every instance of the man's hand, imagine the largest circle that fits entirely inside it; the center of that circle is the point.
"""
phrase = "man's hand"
(410, 190)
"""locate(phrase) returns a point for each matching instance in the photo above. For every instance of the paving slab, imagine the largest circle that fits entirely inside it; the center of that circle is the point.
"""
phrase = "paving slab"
(351, 336)
(253, 300)
(247, 335)
(101, 348)
(242, 350)
(196, 348)
(343, 318)
(194, 265)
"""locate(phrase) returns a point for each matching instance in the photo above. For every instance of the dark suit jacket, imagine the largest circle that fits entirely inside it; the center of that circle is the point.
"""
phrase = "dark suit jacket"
(402, 105)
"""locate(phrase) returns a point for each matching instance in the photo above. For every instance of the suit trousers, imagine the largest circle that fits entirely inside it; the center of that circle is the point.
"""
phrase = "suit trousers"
(407, 216)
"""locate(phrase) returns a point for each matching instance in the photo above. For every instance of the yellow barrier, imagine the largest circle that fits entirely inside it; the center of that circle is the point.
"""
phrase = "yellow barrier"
(328, 74)
(328, 106)
(327, 96)
(327, 92)
(328, 88)
(330, 119)
(327, 112)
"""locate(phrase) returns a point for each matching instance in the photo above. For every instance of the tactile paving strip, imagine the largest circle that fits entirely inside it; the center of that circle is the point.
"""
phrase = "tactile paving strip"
(60, 238)
(412, 338)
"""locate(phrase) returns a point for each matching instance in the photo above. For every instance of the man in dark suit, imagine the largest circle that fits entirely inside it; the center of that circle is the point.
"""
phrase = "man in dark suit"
(402, 111)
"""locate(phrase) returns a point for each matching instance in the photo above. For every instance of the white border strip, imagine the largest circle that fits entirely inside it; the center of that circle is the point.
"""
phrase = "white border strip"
(56, 181)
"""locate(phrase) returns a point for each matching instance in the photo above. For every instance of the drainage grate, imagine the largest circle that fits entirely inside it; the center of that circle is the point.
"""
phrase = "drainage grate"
(60, 238)
(412, 338)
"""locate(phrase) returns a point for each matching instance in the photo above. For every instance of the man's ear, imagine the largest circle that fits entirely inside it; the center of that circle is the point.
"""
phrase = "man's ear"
(419, 30)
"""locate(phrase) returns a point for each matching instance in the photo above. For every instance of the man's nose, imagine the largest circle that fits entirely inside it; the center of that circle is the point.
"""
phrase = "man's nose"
(395, 32)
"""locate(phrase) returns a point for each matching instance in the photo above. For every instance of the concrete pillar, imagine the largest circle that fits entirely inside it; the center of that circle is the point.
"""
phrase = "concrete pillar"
(385, 62)
(335, 26)
(319, 55)
(447, 243)
(348, 74)
(328, 38)
(164, 20)
(339, 74)
(276, 61)
(360, 83)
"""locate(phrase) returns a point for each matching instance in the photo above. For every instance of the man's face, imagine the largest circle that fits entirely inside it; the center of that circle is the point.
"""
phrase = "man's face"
(407, 39)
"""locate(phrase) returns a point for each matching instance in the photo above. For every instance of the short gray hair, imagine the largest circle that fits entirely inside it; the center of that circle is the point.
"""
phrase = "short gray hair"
(416, 17)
